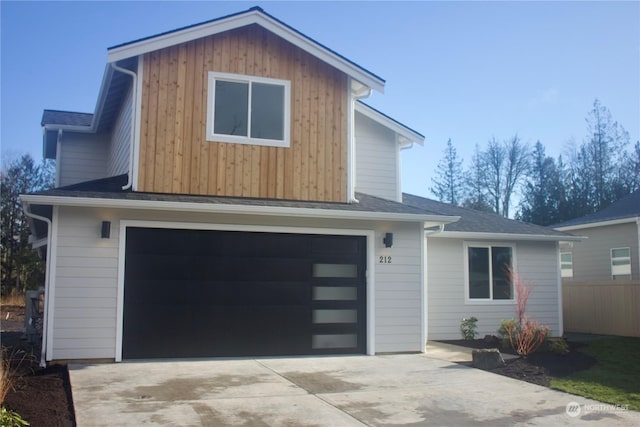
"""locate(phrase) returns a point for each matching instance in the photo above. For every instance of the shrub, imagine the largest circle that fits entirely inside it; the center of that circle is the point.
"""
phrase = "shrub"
(468, 327)
(557, 346)
(11, 419)
(526, 337)
(503, 334)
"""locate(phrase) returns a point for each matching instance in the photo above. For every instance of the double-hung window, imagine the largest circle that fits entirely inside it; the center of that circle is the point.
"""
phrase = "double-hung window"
(620, 262)
(566, 264)
(248, 110)
(489, 272)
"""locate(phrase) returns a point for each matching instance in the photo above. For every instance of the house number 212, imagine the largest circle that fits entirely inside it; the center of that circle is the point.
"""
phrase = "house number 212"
(384, 259)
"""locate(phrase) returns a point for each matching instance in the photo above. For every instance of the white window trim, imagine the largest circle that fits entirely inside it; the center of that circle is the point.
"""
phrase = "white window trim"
(237, 139)
(487, 301)
(612, 258)
(568, 272)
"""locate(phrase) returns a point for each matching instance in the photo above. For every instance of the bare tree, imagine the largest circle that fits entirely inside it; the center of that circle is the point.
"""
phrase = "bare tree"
(517, 163)
(493, 162)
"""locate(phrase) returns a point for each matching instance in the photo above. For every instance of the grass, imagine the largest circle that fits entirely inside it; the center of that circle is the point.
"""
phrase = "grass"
(13, 300)
(615, 379)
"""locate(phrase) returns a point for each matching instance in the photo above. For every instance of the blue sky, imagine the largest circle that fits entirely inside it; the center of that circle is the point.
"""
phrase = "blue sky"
(468, 71)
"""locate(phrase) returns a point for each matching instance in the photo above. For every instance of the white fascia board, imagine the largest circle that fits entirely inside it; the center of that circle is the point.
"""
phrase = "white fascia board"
(69, 128)
(233, 22)
(402, 131)
(429, 220)
(502, 236)
(633, 219)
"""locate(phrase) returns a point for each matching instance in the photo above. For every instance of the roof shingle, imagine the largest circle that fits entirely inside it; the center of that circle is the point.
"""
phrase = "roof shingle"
(473, 221)
(66, 118)
(627, 207)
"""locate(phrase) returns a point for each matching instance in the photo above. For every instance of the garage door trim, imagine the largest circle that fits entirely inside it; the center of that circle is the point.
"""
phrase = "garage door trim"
(370, 247)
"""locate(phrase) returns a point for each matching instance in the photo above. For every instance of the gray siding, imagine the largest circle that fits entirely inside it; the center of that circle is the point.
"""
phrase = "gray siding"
(86, 278)
(536, 263)
(82, 157)
(592, 256)
(398, 292)
(85, 287)
(376, 159)
(121, 138)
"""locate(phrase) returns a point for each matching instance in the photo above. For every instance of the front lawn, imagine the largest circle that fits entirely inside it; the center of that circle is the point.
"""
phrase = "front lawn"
(614, 379)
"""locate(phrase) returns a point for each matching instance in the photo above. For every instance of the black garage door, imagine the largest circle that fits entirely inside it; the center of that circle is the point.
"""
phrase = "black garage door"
(196, 293)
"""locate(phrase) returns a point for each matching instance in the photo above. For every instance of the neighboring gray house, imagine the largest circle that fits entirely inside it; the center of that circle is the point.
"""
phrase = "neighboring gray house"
(231, 196)
(611, 250)
(465, 275)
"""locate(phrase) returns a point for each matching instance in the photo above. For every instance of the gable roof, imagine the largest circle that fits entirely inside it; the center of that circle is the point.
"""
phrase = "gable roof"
(254, 15)
(484, 225)
(107, 192)
(405, 133)
(626, 209)
(66, 118)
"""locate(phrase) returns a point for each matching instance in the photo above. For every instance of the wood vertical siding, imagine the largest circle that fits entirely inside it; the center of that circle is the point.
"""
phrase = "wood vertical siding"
(175, 156)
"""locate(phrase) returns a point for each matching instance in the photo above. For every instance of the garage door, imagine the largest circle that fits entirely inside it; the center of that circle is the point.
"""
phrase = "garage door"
(196, 293)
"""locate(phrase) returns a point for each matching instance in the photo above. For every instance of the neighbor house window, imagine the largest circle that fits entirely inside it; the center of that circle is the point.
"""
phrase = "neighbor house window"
(620, 262)
(488, 272)
(566, 264)
(248, 110)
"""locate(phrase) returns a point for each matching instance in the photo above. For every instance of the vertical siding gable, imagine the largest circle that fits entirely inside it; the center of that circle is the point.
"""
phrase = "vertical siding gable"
(175, 156)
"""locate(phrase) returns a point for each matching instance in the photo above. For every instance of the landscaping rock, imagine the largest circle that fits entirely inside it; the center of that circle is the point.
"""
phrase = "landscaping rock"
(487, 358)
(491, 340)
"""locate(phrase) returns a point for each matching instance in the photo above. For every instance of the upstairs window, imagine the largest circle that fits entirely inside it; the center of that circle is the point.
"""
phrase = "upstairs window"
(566, 264)
(248, 110)
(488, 272)
(620, 262)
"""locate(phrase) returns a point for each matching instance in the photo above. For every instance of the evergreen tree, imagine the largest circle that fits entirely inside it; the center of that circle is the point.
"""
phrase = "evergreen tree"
(476, 194)
(21, 267)
(543, 195)
(602, 155)
(448, 184)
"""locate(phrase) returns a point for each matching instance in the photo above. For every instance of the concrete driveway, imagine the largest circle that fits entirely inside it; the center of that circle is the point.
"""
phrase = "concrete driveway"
(413, 390)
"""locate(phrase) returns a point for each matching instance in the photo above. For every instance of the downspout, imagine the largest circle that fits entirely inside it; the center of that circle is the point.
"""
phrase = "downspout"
(364, 92)
(134, 96)
(402, 146)
(47, 280)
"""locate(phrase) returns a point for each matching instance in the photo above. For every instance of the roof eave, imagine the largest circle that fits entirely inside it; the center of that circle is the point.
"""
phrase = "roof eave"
(252, 16)
(234, 209)
(402, 130)
(631, 219)
(505, 236)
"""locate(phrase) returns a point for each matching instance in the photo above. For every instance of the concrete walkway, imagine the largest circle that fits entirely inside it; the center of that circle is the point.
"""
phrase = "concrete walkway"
(454, 353)
(413, 390)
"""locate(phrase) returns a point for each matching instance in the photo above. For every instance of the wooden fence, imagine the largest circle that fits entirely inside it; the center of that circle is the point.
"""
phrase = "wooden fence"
(602, 307)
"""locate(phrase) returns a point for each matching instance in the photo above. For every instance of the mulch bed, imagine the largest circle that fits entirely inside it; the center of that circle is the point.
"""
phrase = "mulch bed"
(538, 368)
(41, 396)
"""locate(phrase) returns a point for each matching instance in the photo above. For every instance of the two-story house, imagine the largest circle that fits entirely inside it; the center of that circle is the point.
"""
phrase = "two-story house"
(232, 196)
